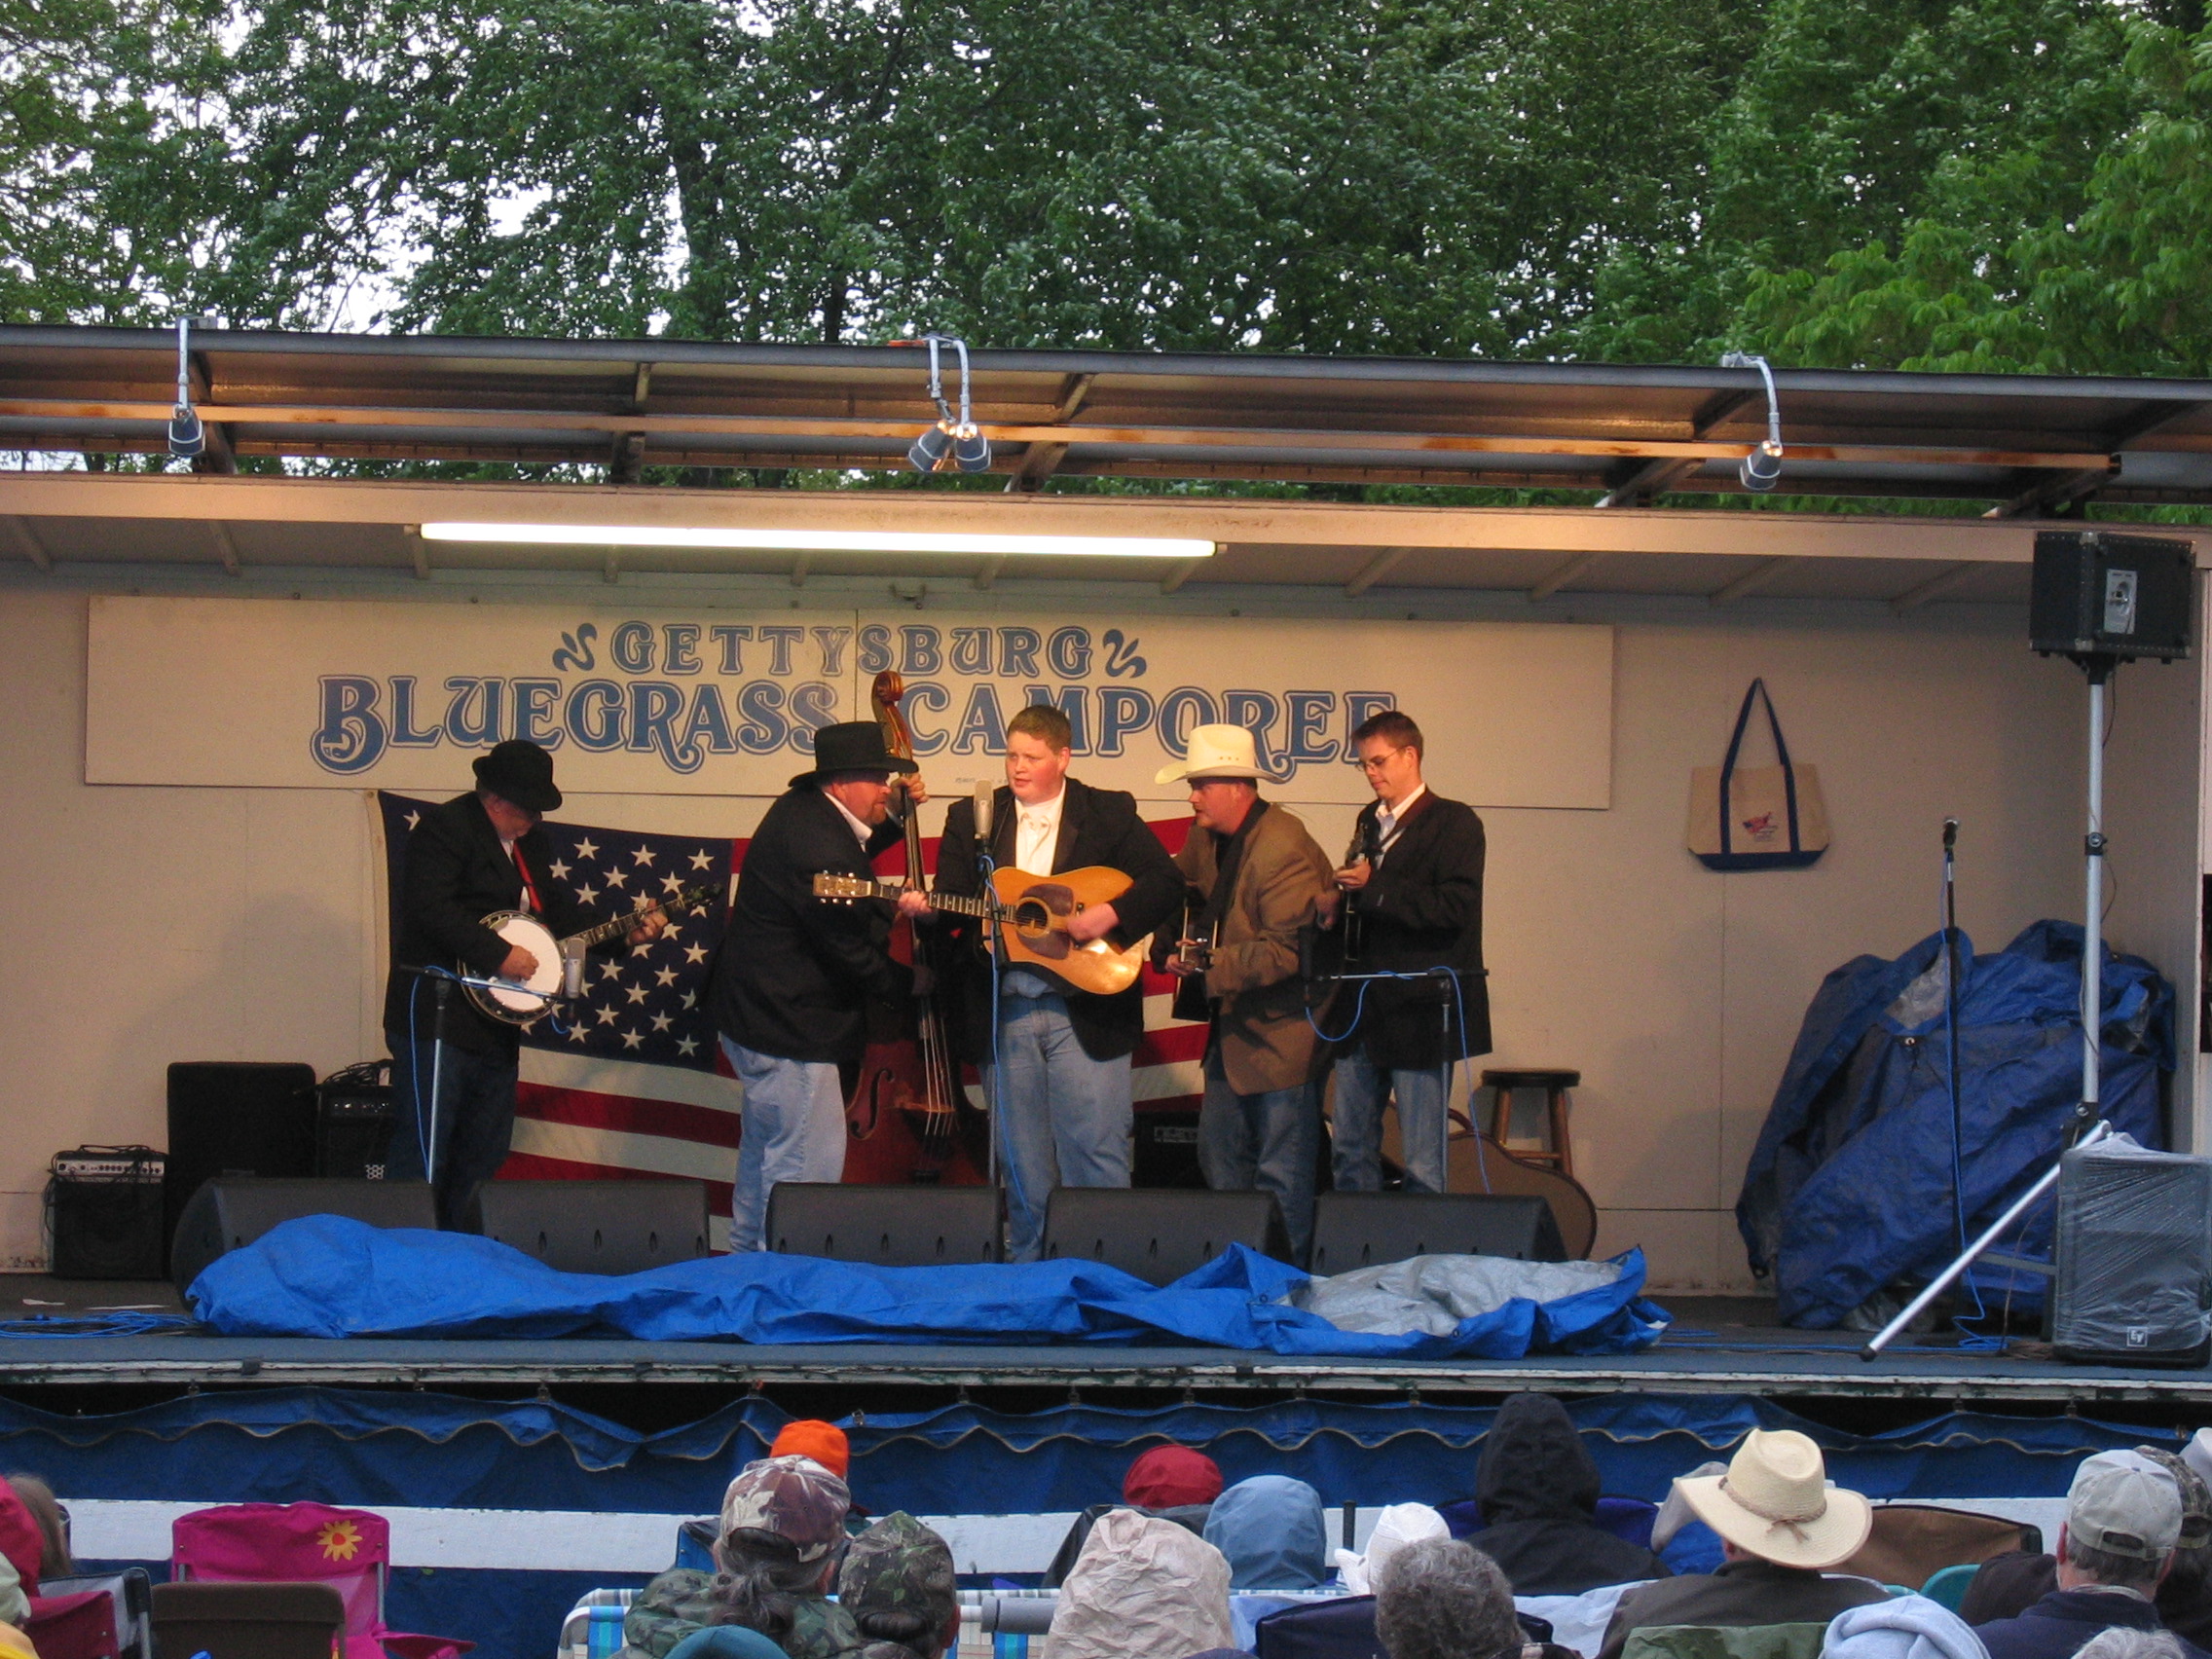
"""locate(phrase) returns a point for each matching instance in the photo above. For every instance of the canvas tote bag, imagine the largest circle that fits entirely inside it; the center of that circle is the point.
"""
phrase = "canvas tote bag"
(1757, 817)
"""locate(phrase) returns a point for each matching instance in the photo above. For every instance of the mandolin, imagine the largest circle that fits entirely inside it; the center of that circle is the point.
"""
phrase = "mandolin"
(1032, 912)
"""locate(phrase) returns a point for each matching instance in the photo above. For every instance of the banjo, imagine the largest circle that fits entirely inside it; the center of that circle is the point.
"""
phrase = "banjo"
(519, 1002)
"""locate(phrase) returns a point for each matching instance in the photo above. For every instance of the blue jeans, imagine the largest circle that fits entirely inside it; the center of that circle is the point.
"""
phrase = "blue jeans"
(794, 1131)
(1067, 1118)
(1361, 1089)
(1265, 1141)
(474, 1119)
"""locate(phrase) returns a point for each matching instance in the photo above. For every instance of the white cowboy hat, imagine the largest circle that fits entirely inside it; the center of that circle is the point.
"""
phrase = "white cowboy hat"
(1214, 751)
(1775, 1502)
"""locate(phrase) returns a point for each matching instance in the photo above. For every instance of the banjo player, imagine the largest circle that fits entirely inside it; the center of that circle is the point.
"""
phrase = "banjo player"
(466, 859)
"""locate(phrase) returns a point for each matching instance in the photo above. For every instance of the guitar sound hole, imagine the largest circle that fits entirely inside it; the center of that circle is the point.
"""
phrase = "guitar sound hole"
(1031, 917)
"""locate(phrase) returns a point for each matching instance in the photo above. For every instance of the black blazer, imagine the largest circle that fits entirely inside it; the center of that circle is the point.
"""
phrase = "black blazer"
(795, 974)
(1097, 827)
(453, 873)
(1423, 909)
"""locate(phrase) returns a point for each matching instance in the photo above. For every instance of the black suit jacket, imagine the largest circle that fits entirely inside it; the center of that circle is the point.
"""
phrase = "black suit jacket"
(453, 873)
(1423, 908)
(795, 974)
(1097, 827)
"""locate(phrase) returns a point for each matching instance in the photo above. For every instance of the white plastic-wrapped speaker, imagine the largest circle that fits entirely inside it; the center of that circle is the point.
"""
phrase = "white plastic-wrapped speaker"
(2134, 1256)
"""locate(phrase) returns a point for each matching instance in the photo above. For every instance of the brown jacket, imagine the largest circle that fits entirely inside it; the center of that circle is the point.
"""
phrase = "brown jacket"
(1266, 1041)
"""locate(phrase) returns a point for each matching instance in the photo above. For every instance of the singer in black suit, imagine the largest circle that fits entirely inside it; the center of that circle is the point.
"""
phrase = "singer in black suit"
(466, 859)
(794, 974)
(1409, 899)
(1067, 1094)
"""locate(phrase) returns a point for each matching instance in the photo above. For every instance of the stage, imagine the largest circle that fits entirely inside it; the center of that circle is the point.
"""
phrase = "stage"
(1716, 1346)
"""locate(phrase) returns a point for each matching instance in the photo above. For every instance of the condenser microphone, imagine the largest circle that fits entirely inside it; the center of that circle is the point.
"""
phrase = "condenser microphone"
(572, 969)
(1950, 833)
(986, 803)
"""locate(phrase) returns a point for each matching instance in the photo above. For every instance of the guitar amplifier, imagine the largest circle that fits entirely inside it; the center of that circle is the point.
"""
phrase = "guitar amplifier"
(353, 1122)
(104, 1206)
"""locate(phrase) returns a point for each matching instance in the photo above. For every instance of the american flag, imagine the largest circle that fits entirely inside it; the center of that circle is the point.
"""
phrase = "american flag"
(633, 1084)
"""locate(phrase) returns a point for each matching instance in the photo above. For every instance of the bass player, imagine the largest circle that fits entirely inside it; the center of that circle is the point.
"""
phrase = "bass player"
(466, 858)
(1068, 1106)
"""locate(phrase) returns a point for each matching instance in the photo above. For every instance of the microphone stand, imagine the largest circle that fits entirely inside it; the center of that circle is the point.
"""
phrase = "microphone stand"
(1444, 1113)
(442, 981)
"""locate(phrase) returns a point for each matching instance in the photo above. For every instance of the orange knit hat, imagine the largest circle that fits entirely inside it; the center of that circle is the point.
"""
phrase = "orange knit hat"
(824, 1442)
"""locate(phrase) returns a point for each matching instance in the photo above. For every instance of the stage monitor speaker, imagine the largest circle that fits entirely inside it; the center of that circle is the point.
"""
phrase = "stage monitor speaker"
(1366, 1230)
(890, 1227)
(231, 1211)
(2134, 1261)
(1160, 1237)
(2098, 594)
(104, 1212)
(595, 1226)
(353, 1125)
(236, 1118)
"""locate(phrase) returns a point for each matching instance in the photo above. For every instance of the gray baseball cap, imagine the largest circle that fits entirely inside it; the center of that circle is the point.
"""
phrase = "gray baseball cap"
(2125, 1504)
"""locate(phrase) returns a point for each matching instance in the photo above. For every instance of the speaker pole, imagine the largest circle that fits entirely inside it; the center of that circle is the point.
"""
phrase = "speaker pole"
(2098, 669)
(441, 990)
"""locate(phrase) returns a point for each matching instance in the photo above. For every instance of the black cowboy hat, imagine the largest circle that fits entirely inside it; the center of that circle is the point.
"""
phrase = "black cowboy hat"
(852, 746)
(520, 772)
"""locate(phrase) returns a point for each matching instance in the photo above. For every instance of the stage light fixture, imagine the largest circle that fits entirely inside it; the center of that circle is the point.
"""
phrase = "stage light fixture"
(956, 442)
(187, 436)
(953, 544)
(1762, 469)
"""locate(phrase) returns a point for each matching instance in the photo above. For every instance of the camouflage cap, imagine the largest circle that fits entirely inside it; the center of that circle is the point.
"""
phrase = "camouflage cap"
(795, 1498)
(2196, 1498)
(899, 1563)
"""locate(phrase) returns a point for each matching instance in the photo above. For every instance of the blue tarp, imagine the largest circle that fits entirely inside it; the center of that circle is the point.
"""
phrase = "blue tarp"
(329, 1277)
(1849, 1188)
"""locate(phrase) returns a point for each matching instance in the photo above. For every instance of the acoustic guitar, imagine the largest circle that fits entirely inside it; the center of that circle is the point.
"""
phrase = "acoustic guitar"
(1032, 912)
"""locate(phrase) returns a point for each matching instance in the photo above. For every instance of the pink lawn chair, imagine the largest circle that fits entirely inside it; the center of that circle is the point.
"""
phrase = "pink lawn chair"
(299, 1543)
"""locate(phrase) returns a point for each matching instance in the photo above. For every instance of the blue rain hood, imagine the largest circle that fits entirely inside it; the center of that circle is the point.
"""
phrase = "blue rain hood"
(1272, 1531)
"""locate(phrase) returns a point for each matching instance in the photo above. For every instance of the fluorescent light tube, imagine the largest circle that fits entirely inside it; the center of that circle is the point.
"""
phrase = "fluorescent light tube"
(824, 540)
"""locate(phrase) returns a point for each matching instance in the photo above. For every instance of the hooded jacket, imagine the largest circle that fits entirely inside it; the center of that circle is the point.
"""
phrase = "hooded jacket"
(2061, 1624)
(1143, 1588)
(1537, 1489)
(1273, 1533)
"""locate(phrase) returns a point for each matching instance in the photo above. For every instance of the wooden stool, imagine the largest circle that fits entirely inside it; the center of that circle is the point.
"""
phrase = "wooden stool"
(1559, 1151)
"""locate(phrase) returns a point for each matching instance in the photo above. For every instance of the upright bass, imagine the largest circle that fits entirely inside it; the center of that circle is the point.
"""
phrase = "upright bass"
(908, 1073)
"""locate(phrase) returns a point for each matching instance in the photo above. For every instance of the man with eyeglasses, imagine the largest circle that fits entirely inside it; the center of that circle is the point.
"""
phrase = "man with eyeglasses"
(1410, 897)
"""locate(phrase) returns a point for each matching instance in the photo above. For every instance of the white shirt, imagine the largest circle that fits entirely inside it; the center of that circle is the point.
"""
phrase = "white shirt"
(860, 830)
(1388, 818)
(1037, 833)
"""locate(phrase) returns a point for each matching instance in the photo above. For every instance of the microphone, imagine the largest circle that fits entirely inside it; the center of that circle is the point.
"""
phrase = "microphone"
(986, 803)
(1950, 833)
(572, 969)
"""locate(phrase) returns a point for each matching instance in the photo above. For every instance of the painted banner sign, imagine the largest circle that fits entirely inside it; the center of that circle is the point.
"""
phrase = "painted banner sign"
(353, 695)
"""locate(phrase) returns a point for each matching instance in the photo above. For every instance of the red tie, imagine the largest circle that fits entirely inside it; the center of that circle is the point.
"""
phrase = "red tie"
(529, 887)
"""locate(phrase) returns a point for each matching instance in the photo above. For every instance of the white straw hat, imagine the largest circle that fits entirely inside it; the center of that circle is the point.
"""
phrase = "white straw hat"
(1775, 1501)
(1214, 751)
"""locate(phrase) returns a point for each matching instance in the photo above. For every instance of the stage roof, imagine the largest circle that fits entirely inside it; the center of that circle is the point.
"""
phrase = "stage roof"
(2015, 449)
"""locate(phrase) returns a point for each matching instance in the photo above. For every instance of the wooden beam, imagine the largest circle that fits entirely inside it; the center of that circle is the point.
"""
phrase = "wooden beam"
(219, 456)
(1375, 569)
(1181, 571)
(1751, 582)
(988, 571)
(226, 549)
(27, 542)
(1571, 571)
(419, 550)
(1937, 586)
(799, 569)
(1042, 460)
(1649, 479)
(611, 572)
(2052, 494)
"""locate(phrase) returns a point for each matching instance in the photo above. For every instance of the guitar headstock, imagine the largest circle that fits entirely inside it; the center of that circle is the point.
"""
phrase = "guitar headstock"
(828, 886)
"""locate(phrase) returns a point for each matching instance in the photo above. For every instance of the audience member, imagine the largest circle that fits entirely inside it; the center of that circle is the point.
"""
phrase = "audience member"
(1538, 1488)
(13, 1644)
(21, 1555)
(2008, 1584)
(1780, 1525)
(783, 1526)
(1904, 1627)
(1399, 1525)
(1143, 1588)
(727, 1642)
(1443, 1598)
(1272, 1529)
(2123, 1515)
(2122, 1643)
(898, 1583)
(14, 1605)
(1171, 1477)
(810, 1437)
(53, 1525)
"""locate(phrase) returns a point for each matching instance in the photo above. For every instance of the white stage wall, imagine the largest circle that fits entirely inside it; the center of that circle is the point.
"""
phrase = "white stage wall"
(152, 922)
